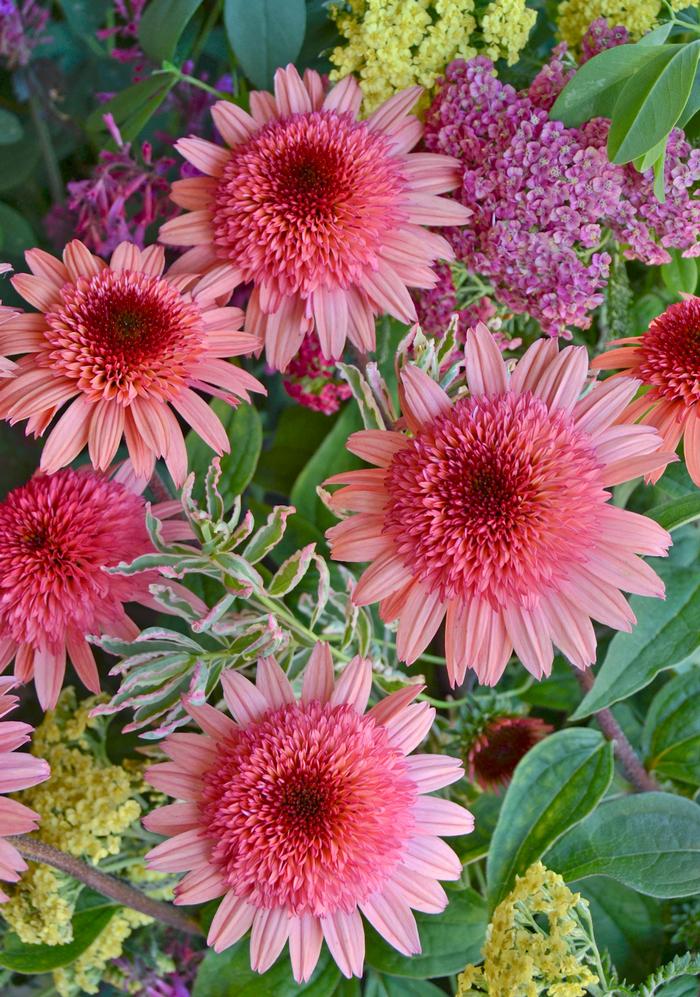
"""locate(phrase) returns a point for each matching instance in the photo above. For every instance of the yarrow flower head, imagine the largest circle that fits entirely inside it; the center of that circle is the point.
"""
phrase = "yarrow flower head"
(124, 343)
(18, 771)
(302, 813)
(495, 514)
(666, 359)
(57, 535)
(320, 211)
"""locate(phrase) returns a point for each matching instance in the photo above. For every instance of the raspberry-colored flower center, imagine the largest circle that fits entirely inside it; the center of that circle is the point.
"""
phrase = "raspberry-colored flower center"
(57, 534)
(120, 334)
(670, 352)
(306, 201)
(308, 808)
(497, 498)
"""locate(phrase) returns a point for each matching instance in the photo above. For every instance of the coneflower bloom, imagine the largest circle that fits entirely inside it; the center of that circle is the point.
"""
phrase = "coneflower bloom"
(57, 535)
(17, 771)
(123, 344)
(492, 756)
(494, 513)
(322, 212)
(304, 813)
(666, 359)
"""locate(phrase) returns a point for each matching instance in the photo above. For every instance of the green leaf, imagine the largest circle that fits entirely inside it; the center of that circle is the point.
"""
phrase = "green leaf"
(592, 92)
(671, 736)
(228, 974)
(626, 923)
(289, 574)
(18, 161)
(485, 809)
(676, 513)
(16, 233)
(681, 274)
(244, 430)
(131, 109)
(649, 841)
(265, 35)
(667, 633)
(268, 536)
(652, 101)
(29, 959)
(379, 985)
(448, 940)
(555, 785)
(162, 25)
(10, 128)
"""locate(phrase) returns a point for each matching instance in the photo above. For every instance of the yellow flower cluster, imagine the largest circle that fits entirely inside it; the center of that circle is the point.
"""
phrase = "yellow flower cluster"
(638, 16)
(393, 44)
(505, 27)
(86, 973)
(527, 954)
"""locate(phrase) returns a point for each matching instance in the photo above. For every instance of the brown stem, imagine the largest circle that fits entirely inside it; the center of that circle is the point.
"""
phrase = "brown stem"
(630, 763)
(116, 889)
(159, 489)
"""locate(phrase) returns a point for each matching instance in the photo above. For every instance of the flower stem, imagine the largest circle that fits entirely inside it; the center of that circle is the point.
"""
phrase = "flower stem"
(116, 889)
(629, 761)
(51, 165)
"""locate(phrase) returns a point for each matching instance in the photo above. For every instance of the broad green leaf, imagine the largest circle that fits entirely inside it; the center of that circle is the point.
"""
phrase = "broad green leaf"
(18, 160)
(681, 274)
(228, 974)
(29, 959)
(162, 25)
(330, 458)
(592, 92)
(16, 233)
(131, 109)
(648, 841)
(671, 736)
(380, 985)
(265, 35)
(667, 633)
(652, 101)
(298, 435)
(10, 128)
(244, 431)
(555, 785)
(448, 940)
(658, 36)
(676, 513)
(474, 846)
(692, 105)
(626, 923)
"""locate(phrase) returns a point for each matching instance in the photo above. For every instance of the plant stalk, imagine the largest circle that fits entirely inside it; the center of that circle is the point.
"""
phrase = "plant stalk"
(116, 889)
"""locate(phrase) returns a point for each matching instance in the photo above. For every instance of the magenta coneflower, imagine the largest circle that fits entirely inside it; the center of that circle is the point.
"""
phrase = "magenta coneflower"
(322, 212)
(57, 535)
(124, 344)
(495, 513)
(303, 813)
(17, 771)
(666, 359)
(492, 756)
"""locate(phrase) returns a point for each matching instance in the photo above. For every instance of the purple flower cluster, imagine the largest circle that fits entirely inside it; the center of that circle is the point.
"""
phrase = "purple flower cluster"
(438, 305)
(21, 28)
(121, 199)
(127, 17)
(544, 198)
(311, 379)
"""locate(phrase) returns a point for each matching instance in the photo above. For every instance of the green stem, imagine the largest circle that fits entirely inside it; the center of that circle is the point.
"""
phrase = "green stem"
(211, 20)
(36, 108)
(171, 70)
(279, 610)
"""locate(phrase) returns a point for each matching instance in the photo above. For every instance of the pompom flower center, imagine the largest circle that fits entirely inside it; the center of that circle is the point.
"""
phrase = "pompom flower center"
(496, 499)
(308, 808)
(307, 201)
(56, 534)
(121, 334)
(670, 352)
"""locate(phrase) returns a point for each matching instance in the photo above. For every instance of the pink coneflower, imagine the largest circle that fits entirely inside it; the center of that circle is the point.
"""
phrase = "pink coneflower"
(57, 535)
(125, 344)
(303, 813)
(492, 756)
(17, 771)
(666, 359)
(322, 212)
(495, 514)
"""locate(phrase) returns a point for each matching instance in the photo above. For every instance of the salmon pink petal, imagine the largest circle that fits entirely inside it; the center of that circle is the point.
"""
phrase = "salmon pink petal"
(345, 938)
(206, 156)
(172, 819)
(305, 938)
(691, 446)
(421, 617)
(15, 818)
(105, 433)
(432, 858)
(245, 702)
(331, 315)
(563, 379)
(409, 727)
(381, 579)
(213, 722)
(80, 262)
(391, 917)
(531, 641)
(185, 851)
(49, 671)
(318, 676)
(232, 122)
(422, 399)
(395, 703)
(419, 892)
(231, 921)
(38, 291)
(392, 113)
(430, 772)
(486, 371)
(435, 816)
(68, 436)
(44, 265)
(354, 685)
(200, 886)
(268, 937)
(531, 366)
(126, 256)
(273, 683)
(83, 660)
(202, 419)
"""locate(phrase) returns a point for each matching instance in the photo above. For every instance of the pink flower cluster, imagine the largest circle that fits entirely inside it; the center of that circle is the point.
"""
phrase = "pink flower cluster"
(601, 36)
(21, 28)
(543, 196)
(124, 195)
(311, 380)
(127, 17)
